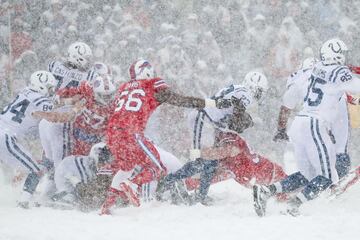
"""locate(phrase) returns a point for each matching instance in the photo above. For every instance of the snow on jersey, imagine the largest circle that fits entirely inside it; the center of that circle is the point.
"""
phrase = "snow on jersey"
(296, 88)
(134, 104)
(217, 117)
(17, 117)
(74, 169)
(67, 76)
(324, 91)
(92, 120)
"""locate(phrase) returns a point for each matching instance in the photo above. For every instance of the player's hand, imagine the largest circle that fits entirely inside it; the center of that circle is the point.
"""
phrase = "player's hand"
(281, 135)
(223, 103)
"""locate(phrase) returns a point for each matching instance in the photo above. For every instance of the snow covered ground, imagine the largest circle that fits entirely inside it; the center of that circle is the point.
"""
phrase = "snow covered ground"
(231, 218)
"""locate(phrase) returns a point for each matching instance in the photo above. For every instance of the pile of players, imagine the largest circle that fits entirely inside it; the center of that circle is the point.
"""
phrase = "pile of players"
(96, 155)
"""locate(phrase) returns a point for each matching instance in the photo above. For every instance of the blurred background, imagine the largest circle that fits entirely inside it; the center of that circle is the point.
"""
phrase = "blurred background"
(197, 46)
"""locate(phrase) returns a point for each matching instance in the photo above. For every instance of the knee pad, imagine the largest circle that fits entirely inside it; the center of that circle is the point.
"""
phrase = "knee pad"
(315, 186)
(343, 164)
(31, 183)
(293, 182)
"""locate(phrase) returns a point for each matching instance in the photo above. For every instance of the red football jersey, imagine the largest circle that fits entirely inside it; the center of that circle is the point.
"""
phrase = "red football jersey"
(134, 104)
(93, 118)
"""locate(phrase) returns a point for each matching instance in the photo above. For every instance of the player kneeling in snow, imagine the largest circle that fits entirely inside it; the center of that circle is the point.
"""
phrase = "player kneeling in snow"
(230, 156)
(82, 181)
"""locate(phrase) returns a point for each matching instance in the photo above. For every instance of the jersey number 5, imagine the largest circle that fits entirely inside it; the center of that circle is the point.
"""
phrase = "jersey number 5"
(130, 100)
(314, 90)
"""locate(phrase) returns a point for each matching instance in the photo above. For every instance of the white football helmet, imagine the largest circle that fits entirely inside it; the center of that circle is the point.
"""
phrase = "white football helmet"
(257, 83)
(333, 52)
(43, 82)
(104, 88)
(141, 70)
(100, 153)
(80, 55)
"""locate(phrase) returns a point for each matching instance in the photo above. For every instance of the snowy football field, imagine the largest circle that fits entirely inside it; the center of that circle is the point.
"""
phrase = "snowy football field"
(232, 217)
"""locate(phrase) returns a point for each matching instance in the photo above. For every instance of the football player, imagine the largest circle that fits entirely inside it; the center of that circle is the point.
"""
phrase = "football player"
(315, 149)
(137, 160)
(17, 120)
(90, 125)
(56, 137)
(230, 156)
(77, 178)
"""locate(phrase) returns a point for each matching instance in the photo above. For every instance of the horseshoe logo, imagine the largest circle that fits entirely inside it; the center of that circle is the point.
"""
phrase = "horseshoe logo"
(41, 78)
(79, 48)
(338, 50)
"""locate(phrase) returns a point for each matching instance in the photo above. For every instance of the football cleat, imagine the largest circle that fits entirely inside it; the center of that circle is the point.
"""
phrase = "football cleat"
(261, 194)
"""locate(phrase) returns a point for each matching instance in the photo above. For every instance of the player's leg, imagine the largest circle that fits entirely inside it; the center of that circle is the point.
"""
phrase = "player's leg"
(324, 163)
(294, 181)
(14, 155)
(60, 141)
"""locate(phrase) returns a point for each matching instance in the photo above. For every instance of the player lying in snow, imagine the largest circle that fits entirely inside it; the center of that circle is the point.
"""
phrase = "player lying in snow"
(82, 181)
(230, 157)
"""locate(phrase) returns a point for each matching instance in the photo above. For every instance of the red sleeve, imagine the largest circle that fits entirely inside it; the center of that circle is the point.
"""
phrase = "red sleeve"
(160, 84)
(350, 99)
(355, 69)
(83, 89)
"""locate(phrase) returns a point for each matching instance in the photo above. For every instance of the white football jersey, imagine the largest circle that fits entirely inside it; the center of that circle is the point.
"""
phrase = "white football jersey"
(215, 115)
(16, 118)
(217, 118)
(327, 86)
(69, 77)
(296, 88)
(75, 169)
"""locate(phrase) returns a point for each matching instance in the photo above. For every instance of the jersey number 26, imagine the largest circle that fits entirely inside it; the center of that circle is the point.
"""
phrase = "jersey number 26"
(130, 100)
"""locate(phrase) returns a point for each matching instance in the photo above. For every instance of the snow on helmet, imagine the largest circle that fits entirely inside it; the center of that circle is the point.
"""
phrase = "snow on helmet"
(333, 52)
(103, 84)
(257, 83)
(80, 55)
(100, 153)
(141, 70)
(43, 82)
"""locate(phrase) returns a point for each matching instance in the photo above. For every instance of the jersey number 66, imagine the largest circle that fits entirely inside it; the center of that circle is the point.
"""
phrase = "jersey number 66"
(131, 100)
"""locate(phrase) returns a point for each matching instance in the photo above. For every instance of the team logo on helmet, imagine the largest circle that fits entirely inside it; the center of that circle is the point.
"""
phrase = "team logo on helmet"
(43, 79)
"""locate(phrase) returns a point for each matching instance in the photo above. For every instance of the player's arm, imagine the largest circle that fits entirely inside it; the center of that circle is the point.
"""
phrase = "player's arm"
(59, 117)
(240, 119)
(283, 118)
(215, 152)
(291, 98)
(170, 97)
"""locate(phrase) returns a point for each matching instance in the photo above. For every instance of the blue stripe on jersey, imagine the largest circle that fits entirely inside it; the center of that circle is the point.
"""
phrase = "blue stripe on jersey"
(317, 145)
(15, 155)
(42, 101)
(82, 165)
(40, 98)
(197, 134)
(335, 72)
(16, 147)
(324, 149)
(79, 169)
(88, 75)
(92, 75)
(51, 66)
